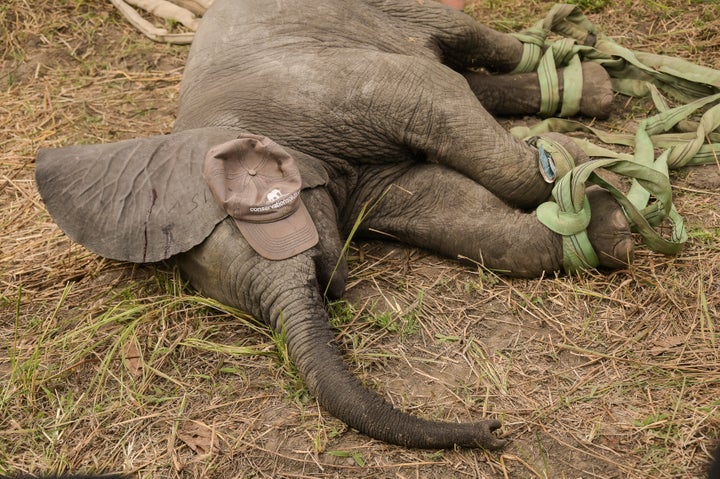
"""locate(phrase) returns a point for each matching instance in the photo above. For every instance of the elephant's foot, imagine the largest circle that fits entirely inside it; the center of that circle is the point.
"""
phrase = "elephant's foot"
(521, 94)
(609, 231)
(597, 93)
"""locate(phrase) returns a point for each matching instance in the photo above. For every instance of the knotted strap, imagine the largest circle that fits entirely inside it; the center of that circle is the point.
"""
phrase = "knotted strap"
(649, 179)
(631, 72)
(634, 74)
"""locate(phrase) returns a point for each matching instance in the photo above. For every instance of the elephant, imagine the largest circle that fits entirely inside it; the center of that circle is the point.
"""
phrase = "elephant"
(338, 104)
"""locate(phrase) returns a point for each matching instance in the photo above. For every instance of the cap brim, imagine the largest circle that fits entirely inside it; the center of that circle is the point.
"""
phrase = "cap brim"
(284, 238)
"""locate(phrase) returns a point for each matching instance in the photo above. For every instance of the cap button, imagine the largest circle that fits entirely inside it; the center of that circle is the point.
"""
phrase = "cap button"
(252, 172)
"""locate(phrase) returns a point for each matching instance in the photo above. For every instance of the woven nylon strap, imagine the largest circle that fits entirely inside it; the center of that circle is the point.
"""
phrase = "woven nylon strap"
(633, 74)
(649, 179)
(631, 71)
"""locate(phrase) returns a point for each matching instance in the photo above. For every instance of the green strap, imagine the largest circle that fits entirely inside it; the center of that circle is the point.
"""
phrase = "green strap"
(572, 87)
(649, 178)
(683, 80)
(571, 221)
(549, 86)
(569, 214)
(635, 74)
(560, 52)
(533, 41)
(631, 71)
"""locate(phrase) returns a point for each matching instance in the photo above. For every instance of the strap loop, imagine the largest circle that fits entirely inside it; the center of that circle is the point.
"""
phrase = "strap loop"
(572, 87)
(549, 85)
(533, 41)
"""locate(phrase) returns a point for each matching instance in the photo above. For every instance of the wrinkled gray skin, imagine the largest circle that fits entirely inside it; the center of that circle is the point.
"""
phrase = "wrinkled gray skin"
(366, 94)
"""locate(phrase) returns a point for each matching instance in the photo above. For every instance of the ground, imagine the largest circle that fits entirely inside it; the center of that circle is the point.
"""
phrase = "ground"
(107, 366)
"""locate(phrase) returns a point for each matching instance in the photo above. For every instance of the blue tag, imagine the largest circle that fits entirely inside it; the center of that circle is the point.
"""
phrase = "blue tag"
(547, 165)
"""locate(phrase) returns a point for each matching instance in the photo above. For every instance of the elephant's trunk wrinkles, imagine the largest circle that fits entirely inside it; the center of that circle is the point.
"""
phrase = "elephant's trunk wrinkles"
(312, 348)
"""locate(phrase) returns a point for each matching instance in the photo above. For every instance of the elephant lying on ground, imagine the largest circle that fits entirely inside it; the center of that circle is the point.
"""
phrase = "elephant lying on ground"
(365, 102)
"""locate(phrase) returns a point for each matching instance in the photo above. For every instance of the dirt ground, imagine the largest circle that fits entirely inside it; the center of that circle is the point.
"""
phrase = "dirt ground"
(106, 366)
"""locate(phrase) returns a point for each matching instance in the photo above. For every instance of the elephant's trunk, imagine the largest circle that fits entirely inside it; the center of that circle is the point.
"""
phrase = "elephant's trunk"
(312, 348)
(285, 294)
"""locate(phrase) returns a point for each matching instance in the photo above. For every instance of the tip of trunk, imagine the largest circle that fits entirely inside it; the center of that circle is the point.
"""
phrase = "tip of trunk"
(311, 344)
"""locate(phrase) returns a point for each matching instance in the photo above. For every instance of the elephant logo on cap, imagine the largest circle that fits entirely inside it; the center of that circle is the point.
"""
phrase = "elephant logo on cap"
(274, 195)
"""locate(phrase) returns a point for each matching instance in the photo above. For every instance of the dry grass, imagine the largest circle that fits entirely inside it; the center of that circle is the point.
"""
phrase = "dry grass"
(108, 366)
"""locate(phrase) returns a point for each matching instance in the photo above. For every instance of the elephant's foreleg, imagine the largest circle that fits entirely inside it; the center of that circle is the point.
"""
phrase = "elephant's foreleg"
(450, 127)
(437, 208)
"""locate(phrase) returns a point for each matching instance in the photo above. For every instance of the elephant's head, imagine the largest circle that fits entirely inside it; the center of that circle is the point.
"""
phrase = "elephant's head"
(146, 200)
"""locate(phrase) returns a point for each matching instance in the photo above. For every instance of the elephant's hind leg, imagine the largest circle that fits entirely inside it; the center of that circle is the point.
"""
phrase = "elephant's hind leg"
(520, 93)
(434, 207)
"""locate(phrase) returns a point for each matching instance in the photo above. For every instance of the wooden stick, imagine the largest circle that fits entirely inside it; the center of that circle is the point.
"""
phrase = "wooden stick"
(198, 7)
(148, 29)
(167, 10)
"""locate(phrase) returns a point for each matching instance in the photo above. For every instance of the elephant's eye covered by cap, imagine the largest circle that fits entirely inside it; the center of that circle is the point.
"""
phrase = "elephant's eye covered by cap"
(258, 183)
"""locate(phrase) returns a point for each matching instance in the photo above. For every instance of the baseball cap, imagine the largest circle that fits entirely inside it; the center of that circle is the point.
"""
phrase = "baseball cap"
(258, 184)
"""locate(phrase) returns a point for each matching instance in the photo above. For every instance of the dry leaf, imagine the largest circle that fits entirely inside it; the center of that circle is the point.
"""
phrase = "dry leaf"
(133, 357)
(665, 344)
(199, 437)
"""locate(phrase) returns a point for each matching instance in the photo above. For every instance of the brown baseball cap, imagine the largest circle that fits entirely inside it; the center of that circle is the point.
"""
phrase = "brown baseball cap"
(258, 183)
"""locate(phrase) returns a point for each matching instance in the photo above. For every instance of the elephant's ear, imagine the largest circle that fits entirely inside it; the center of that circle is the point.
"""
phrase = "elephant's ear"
(140, 200)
